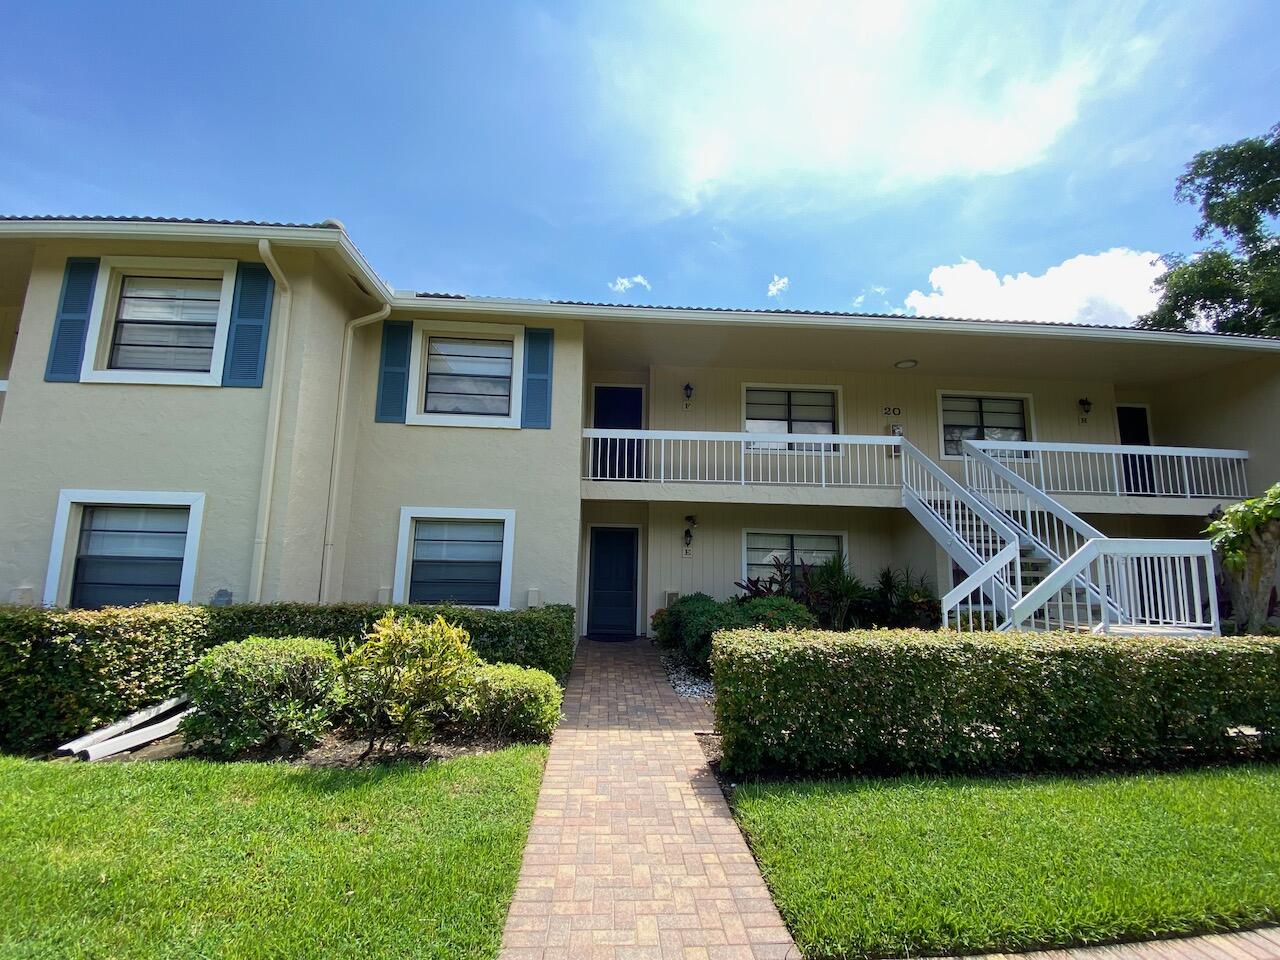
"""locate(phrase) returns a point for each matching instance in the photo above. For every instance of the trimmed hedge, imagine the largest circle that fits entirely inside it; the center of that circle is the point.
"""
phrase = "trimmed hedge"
(689, 623)
(903, 701)
(63, 672)
(276, 691)
(512, 703)
(541, 637)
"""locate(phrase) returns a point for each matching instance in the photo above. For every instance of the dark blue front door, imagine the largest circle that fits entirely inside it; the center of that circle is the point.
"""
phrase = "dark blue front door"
(618, 408)
(611, 598)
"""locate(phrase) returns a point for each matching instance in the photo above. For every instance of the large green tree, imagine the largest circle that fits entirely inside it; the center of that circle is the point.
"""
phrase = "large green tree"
(1234, 285)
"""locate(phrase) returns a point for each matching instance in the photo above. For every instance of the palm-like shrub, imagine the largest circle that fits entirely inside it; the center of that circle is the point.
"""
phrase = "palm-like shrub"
(403, 679)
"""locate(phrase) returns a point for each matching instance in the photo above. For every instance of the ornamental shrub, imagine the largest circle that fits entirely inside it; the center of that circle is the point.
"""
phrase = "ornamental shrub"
(401, 681)
(278, 692)
(65, 672)
(510, 703)
(777, 613)
(896, 701)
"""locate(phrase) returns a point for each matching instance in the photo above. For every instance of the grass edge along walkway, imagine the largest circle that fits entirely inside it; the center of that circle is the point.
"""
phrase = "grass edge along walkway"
(882, 868)
(254, 860)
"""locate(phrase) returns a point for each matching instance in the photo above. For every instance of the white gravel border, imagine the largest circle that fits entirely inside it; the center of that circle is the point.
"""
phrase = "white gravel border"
(684, 681)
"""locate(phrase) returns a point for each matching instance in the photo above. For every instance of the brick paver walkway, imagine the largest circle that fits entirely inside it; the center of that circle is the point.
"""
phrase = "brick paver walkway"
(633, 853)
(1260, 944)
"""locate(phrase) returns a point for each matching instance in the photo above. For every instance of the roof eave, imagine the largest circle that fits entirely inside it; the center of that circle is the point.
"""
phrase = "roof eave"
(309, 237)
(624, 314)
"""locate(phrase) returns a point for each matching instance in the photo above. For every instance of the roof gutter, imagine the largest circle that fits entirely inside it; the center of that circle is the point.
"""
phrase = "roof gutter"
(336, 465)
(267, 480)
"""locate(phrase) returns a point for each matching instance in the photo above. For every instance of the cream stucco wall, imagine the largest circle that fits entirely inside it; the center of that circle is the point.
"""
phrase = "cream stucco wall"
(533, 472)
(160, 437)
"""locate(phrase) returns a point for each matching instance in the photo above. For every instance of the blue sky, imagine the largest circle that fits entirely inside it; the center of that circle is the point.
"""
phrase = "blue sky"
(987, 159)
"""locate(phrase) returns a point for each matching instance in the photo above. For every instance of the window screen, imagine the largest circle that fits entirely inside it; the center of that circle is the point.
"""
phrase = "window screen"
(165, 323)
(981, 418)
(789, 411)
(469, 376)
(458, 561)
(791, 548)
(129, 555)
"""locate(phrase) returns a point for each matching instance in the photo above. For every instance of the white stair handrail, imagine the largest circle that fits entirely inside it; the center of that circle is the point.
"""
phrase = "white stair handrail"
(1058, 538)
(1148, 596)
(990, 557)
(1029, 490)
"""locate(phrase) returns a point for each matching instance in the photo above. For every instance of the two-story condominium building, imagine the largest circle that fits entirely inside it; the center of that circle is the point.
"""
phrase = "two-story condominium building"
(229, 412)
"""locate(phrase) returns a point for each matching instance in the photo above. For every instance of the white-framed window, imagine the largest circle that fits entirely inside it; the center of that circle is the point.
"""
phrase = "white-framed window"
(981, 416)
(774, 408)
(465, 374)
(121, 547)
(159, 320)
(454, 555)
(764, 550)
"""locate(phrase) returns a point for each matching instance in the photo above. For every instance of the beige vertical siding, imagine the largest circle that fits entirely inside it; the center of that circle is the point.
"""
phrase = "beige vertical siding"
(1234, 408)
(875, 538)
(718, 402)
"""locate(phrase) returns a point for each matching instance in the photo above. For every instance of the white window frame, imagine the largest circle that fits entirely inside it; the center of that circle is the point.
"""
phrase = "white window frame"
(54, 587)
(803, 387)
(404, 546)
(102, 320)
(793, 532)
(1029, 411)
(416, 414)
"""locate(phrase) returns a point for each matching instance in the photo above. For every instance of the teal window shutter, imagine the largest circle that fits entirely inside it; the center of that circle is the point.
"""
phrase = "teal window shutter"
(535, 410)
(250, 325)
(393, 371)
(66, 350)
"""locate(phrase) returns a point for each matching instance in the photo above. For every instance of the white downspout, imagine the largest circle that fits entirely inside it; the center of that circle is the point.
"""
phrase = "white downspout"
(267, 483)
(339, 436)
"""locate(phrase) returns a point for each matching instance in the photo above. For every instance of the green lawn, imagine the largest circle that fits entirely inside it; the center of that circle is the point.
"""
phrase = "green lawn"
(191, 859)
(884, 868)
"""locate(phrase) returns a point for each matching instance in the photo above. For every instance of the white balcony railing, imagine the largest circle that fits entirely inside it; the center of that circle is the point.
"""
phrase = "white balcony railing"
(792, 459)
(1111, 470)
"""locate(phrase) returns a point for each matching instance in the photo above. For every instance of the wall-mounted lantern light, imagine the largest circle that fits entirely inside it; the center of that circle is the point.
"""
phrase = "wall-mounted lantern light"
(688, 391)
(688, 537)
(1085, 405)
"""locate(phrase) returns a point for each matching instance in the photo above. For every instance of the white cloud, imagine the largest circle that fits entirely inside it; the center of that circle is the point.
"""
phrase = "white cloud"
(778, 285)
(623, 284)
(857, 96)
(1112, 288)
(875, 290)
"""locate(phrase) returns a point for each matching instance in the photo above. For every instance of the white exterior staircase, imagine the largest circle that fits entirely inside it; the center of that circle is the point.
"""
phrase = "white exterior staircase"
(1032, 564)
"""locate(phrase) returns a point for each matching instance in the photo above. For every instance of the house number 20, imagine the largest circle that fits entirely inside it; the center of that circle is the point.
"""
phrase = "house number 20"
(891, 411)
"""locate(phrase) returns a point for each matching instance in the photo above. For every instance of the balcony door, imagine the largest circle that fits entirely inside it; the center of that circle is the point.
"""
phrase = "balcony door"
(618, 408)
(1135, 430)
